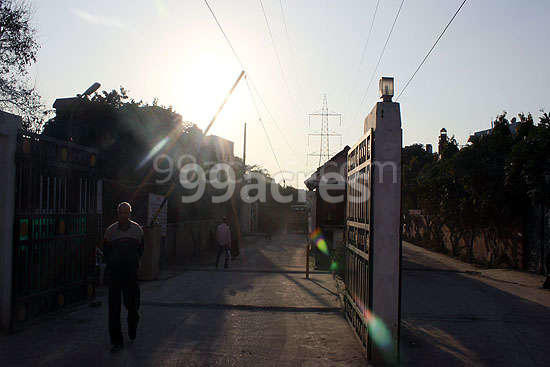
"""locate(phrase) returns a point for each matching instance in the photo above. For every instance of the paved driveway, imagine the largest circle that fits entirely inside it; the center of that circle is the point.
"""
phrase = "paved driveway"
(262, 312)
(454, 314)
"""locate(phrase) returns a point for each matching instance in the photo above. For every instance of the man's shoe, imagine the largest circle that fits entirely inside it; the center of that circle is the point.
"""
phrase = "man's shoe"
(116, 348)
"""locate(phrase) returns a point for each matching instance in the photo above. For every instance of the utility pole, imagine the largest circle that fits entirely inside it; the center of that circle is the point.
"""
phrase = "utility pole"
(325, 133)
(174, 141)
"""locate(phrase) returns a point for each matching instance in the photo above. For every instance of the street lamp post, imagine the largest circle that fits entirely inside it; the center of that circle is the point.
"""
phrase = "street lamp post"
(79, 97)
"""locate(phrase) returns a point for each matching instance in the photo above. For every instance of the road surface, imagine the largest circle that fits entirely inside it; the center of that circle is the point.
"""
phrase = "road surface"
(263, 312)
(454, 314)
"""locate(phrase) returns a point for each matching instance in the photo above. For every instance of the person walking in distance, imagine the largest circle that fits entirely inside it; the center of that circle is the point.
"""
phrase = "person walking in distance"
(223, 237)
(123, 248)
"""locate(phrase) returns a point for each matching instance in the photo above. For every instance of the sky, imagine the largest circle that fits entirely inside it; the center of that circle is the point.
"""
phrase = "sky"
(493, 58)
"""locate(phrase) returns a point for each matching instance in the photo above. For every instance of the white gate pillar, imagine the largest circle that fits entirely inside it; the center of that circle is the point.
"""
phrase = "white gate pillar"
(385, 120)
(9, 125)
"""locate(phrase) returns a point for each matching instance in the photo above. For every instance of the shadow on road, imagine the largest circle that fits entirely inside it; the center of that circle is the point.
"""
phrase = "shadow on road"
(449, 319)
(261, 312)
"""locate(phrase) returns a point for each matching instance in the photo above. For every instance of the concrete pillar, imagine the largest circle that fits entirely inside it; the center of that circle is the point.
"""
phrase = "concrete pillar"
(9, 124)
(385, 120)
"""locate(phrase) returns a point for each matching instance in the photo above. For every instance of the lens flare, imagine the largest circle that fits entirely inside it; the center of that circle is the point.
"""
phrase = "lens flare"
(334, 266)
(317, 238)
(322, 246)
(316, 234)
(154, 151)
(378, 331)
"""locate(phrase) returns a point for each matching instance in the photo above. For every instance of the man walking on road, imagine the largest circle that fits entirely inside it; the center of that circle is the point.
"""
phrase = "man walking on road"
(123, 248)
(223, 237)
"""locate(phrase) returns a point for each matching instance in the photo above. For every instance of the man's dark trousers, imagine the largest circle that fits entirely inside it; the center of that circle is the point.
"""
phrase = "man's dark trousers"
(221, 250)
(128, 287)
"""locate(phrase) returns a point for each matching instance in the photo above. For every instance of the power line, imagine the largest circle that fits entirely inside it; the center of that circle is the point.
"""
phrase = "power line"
(224, 34)
(247, 79)
(431, 49)
(291, 48)
(263, 126)
(284, 20)
(364, 50)
(272, 118)
(380, 57)
(275, 49)
(370, 32)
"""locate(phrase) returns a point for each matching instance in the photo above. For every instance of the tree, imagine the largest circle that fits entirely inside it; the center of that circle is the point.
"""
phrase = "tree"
(529, 162)
(413, 159)
(125, 131)
(483, 189)
(447, 147)
(18, 49)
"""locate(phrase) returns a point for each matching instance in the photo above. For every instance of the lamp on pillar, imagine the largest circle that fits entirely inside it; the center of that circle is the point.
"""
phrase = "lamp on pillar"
(386, 88)
(442, 141)
(381, 284)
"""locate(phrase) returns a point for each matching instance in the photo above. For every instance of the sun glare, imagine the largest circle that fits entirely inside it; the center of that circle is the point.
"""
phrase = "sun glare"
(202, 86)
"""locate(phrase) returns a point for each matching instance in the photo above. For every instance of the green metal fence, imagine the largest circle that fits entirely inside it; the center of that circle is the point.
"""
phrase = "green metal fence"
(56, 226)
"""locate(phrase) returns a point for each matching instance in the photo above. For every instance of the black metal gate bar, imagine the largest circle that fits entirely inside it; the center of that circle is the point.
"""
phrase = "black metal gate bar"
(55, 227)
(358, 235)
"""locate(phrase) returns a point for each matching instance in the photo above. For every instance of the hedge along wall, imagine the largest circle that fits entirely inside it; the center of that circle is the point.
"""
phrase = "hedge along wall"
(485, 248)
(537, 239)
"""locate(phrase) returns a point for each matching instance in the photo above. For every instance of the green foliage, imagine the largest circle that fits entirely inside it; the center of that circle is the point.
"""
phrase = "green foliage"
(447, 147)
(18, 50)
(485, 186)
(413, 158)
(529, 163)
(125, 131)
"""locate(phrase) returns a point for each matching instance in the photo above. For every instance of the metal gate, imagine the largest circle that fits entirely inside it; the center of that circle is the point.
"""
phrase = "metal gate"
(56, 225)
(373, 234)
(358, 237)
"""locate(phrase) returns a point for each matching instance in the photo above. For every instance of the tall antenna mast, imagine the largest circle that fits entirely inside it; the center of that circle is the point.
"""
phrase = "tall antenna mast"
(325, 133)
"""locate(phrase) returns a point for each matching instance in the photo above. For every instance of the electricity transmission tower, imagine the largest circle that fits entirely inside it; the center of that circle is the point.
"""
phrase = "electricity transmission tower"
(325, 134)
